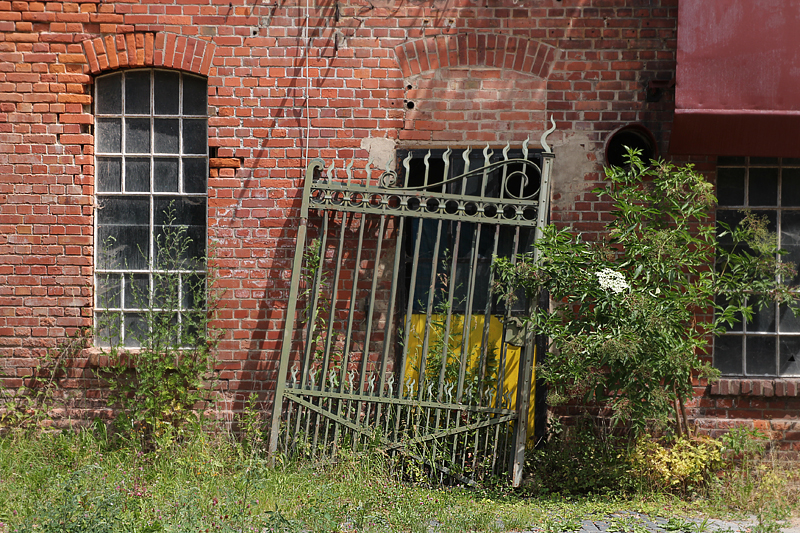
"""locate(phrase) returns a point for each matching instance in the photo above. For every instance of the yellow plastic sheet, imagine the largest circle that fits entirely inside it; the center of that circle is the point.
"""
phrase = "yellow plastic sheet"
(436, 343)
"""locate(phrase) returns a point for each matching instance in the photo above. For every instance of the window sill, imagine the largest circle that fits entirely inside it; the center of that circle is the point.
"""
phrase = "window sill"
(99, 358)
(766, 387)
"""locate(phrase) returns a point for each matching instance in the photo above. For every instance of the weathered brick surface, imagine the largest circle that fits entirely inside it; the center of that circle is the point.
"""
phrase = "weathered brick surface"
(288, 83)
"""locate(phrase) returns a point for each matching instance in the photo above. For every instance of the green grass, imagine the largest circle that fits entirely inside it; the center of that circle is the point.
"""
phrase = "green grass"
(77, 481)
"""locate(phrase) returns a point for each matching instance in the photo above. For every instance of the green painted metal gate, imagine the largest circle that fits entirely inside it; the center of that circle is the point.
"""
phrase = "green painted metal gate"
(397, 340)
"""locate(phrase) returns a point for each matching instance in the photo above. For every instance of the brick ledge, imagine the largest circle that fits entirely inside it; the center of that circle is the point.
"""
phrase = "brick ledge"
(755, 387)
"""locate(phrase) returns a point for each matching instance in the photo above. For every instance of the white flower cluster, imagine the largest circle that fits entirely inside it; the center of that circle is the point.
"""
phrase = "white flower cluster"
(612, 280)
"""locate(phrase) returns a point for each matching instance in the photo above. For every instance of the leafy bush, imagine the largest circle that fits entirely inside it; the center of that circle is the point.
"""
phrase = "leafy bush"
(631, 314)
(684, 465)
(579, 460)
(159, 384)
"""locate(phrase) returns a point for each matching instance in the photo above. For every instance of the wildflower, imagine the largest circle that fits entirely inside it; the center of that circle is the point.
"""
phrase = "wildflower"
(612, 280)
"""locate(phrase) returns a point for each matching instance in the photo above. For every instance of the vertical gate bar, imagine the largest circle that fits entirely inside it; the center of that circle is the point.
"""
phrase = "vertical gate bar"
(487, 320)
(451, 281)
(289, 409)
(526, 369)
(431, 285)
(311, 315)
(466, 329)
(371, 306)
(328, 405)
(388, 332)
(429, 306)
(494, 449)
(351, 309)
(369, 312)
(323, 252)
(334, 290)
(410, 305)
(309, 415)
(449, 307)
(501, 372)
(291, 308)
(337, 273)
(487, 317)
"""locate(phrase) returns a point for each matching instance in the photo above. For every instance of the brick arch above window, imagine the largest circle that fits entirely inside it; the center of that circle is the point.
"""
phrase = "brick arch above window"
(526, 56)
(147, 49)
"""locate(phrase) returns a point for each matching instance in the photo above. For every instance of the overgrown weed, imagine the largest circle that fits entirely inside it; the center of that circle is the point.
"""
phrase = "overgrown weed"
(83, 480)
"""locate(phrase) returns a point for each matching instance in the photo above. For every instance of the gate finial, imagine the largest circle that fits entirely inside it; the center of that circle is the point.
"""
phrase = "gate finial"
(546, 133)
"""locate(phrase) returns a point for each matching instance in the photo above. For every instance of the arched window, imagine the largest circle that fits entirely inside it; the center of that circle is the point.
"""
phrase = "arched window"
(151, 168)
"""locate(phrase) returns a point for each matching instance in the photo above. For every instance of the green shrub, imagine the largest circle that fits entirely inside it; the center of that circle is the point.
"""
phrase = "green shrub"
(624, 322)
(159, 384)
(579, 460)
(683, 465)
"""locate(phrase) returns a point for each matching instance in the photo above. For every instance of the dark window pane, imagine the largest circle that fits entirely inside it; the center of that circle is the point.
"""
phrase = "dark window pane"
(792, 256)
(195, 95)
(109, 288)
(763, 319)
(790, 356)
(137, 291)
(195, 136)
(194, 175)
(764, 161)
(728, 354)
(193, 291)
(166, 92)
(109, 94)
(137, 92)
(790, 187)
(763, 186)
(788, 322)
(760, 356)
(190, 211)
(124, 210)
(166, 285)
(790, 228)
(166, 135)
(165, 174)
(137, 174)
(108, 328)
(109, 174)
(771, 216)
(737, 325)
(123, 247)
(189, 257)
(730, 160)
(137, 135)
(790, 239)
(109, 135)
(135, 330)
(729, 218)
(791, 161)
(730, 186)
(190, 327)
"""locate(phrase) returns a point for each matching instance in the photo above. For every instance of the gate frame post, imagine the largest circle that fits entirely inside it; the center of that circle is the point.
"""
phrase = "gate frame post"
(528, 354)
(291, 309)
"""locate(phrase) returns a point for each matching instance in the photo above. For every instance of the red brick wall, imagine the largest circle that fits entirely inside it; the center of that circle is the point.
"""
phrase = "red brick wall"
(284, 88)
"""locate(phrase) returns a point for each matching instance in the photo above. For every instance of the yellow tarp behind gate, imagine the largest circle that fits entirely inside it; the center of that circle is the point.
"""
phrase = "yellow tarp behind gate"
(476, 326)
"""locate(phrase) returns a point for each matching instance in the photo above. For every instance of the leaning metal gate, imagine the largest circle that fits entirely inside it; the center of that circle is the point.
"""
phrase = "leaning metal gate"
(393, 336)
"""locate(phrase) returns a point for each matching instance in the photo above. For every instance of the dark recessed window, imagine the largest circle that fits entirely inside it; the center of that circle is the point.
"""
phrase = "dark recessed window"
(769, 343)
(151, 158)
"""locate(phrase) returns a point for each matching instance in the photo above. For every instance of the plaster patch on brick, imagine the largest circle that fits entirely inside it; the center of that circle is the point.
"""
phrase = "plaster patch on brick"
(381, 151)
(573, 162)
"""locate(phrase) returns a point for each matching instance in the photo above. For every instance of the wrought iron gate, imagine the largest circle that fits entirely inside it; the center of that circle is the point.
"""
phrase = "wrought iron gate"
(394, 338)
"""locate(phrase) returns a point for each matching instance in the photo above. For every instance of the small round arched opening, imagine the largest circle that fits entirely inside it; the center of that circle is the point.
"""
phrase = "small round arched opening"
(633, 136)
